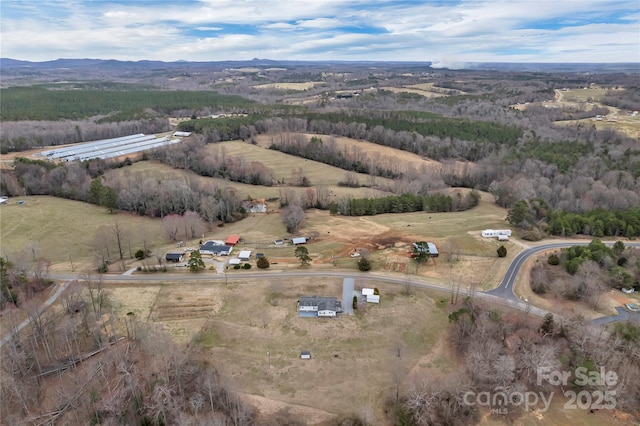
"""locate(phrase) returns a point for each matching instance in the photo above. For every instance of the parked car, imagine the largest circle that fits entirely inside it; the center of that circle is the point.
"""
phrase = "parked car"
(632, 307)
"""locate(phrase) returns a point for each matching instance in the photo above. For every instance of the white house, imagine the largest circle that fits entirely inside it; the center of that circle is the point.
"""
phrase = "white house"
(298, 240)
(318, 306)
(245, 254)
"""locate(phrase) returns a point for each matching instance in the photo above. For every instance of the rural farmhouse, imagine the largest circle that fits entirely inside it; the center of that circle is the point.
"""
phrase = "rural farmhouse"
(319, 306)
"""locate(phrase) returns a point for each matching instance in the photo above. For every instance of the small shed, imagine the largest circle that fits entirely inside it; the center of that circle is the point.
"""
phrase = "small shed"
(298, 240)
(503, 237)
(278, 242)
(174, 256)
(232, 240)
(305, 355)
(234, 261)
(367, 291)
(433, 250)
(373, 298)
(245, 255)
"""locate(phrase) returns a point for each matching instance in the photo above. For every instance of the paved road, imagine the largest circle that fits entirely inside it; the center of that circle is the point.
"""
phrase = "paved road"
(61, 287)
(501, 295)
(505, 289)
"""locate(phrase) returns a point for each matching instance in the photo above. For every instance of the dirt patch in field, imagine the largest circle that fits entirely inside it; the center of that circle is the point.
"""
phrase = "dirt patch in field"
(269, 407)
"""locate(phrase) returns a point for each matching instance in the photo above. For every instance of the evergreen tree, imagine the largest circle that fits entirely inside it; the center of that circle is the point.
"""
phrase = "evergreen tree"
(263, 263)
(421, 251)
(109, 198)
(195, 262)
(364, 265)
(303, 255)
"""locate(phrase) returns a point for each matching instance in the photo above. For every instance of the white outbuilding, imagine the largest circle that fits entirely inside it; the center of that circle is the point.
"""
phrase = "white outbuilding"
(493, 233)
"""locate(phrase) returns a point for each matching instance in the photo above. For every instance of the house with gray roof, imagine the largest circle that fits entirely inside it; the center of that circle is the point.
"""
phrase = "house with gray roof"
(319, 306)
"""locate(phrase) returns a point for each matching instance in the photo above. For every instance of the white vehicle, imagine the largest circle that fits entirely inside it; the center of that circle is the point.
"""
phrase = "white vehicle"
(4, 200)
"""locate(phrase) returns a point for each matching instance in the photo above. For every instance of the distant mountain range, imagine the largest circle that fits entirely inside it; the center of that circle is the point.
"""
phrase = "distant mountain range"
(14, 64)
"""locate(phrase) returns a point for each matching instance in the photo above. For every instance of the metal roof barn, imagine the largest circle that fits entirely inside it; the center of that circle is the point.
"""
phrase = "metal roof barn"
(117, 152)
(88, 144)
(109, 148)
(84, 149)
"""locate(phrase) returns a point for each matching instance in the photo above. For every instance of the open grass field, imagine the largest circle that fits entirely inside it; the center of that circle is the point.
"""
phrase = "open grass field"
(44, 224)
(411, 89)
(583, 95)
(382, 155)
(289, 86)
(283, 165)
(427, 90)
(59, 229)
(354, 363)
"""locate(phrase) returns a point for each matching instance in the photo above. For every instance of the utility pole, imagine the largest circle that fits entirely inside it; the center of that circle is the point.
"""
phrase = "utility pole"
(269, 360)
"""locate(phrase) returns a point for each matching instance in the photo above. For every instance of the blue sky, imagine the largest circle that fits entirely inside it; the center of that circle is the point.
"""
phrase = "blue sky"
(444, 32)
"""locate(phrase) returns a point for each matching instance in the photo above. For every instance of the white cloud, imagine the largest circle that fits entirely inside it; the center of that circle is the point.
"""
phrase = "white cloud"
(468, 31)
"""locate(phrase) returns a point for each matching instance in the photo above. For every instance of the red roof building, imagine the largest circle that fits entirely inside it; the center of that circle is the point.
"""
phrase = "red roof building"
(232, 240)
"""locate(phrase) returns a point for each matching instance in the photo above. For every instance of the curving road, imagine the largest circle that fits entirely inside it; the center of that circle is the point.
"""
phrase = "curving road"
(503, 294)
(505, 289)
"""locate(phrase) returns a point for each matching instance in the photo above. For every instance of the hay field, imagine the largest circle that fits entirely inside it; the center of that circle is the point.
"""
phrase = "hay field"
(322, 172)
(381, 155)
(283, 165)
(427, 90)
(354, 357)
(57, 229)
(289, 86)
(409, 89)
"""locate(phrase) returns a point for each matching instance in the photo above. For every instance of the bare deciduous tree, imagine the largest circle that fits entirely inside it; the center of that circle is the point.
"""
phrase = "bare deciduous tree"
(293, 218)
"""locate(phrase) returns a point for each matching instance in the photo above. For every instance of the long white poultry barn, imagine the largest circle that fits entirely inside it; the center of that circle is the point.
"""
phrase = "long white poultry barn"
(108, 148)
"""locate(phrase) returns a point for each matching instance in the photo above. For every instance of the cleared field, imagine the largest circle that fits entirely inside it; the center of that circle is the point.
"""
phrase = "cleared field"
(625, 124)
(289, 86)
(43, 224)
(381, 155)
(410, 89)
(164, 172)
(283, 165)
(59, 229)
(425, 89)
(354, 358)
(583, 95)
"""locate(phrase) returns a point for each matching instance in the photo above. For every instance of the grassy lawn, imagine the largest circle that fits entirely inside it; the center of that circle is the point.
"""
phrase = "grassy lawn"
(289, 86)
